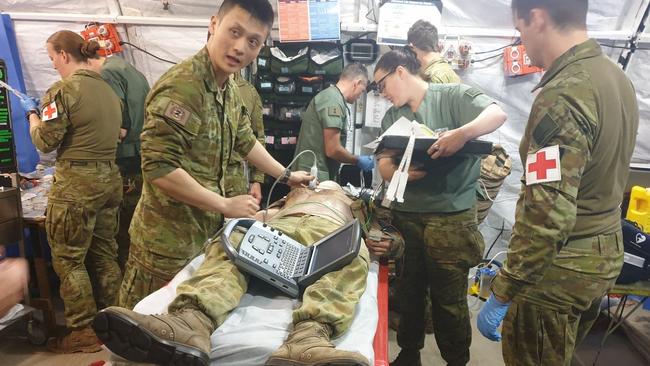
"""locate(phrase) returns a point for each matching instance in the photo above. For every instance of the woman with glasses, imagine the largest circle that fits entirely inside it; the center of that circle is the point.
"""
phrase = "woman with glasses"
(438, 215)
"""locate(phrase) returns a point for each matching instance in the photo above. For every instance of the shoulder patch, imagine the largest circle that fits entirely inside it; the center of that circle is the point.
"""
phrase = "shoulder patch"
(544, 166)
(334, 111)
(473, 92)
(545, 129)
(50, 112)
(178, 113)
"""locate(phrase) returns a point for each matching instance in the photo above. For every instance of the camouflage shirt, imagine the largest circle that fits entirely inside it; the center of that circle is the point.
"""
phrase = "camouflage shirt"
(586, 109)
(193, 124)
(253, 103)
(81, 118)
(439, 72)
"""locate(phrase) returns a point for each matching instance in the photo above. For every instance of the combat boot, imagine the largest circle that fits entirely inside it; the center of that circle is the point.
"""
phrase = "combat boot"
(309, 345)
(179, 338)
(407, 357)
(79, 340)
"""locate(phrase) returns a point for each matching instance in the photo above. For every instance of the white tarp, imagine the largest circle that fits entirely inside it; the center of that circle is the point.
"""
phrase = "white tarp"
(607, 18)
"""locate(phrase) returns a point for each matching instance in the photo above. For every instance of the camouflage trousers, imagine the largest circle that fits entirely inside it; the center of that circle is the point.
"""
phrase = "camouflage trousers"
(440, 250)
(81, 224)
(146, 272)
(217, 285)
(235, 181)
(132, 188)
(547, 321)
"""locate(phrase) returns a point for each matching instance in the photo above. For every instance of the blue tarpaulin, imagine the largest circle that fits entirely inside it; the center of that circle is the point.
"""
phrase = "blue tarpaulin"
(26, 153)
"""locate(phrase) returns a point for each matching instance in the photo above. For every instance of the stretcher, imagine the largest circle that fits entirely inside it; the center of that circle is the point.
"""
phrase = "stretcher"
(262, 320)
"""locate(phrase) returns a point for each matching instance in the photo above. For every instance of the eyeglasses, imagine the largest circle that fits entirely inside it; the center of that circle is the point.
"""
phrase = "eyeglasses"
(380, 84)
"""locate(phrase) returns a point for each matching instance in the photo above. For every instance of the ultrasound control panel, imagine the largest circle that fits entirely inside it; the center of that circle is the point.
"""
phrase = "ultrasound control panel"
(275, 251)
(274, 257)
(285, 263)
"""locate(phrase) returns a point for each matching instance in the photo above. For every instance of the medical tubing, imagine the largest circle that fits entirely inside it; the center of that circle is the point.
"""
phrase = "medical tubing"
(268, 199)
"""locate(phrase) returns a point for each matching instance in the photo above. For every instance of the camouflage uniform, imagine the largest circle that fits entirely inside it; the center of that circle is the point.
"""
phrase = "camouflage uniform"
(566, 250)
(326, 110)
(82, 209)
(191, 124)
(439, 72)
(131, 87)
(438, 222)
(217, 285)
(235, 179)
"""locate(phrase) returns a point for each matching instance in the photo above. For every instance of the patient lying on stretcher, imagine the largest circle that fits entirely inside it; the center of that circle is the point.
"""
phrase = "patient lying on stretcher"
(204, 301)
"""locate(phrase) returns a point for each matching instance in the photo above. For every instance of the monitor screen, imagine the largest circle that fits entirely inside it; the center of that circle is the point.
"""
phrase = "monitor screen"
(362, 51)
(336, 246)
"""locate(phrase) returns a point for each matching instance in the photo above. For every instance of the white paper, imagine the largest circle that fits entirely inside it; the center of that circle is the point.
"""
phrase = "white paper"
(402, 127)
(395, 19)
(376, 108)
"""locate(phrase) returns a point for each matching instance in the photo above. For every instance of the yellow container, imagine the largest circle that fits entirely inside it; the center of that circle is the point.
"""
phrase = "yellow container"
(639, 208)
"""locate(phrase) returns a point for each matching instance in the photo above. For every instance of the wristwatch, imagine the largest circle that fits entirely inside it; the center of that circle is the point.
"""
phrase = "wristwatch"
(284, 178)
(30, 112)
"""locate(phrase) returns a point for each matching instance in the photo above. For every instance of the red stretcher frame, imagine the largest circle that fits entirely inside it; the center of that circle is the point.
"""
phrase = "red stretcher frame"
(380, 343)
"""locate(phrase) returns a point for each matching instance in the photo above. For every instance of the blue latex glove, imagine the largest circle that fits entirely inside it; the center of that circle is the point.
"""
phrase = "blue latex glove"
(29, 104)
(490, 317)
(366, 162)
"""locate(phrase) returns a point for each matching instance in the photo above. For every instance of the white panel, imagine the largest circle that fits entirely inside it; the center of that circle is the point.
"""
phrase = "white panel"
(638, 71)
(603, 14)
(173, 44)
(200, 9)
(37, 69)
(57, 6)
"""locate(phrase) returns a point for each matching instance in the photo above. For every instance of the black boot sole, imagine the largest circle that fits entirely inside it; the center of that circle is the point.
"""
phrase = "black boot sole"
(124, 337)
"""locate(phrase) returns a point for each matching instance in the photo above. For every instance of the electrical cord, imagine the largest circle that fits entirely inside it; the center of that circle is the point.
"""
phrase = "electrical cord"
(503, 227)
(268, 199)
(147, 52)
(487, 58)
(516, 43)
(371, 4)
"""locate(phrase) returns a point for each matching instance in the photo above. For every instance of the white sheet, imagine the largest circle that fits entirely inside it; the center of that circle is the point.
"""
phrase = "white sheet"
(261, 322)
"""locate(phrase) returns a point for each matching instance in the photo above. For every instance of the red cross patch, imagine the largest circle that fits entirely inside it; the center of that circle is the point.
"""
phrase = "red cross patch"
(49, 112)
(543, 166)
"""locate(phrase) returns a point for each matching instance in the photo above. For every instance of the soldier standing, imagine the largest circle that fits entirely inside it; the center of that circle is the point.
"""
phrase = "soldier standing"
(80, 117)
(131, 87)
(240, 178)
(438, 215)
(422, 38)
(194, 120)
(566, 249)
(325, 124)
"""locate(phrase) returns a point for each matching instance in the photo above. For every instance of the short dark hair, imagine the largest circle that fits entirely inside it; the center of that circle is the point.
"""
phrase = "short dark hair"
(423, 35)
(258, 9)
(565, 13)
(404, 57)
(353, 71)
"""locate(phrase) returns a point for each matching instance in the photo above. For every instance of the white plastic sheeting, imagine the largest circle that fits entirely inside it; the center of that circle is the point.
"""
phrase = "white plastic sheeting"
(609, 19)
(604, 15)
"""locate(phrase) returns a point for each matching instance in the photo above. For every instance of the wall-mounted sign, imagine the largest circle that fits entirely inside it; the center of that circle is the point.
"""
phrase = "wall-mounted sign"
(397, 16)
(309, 20)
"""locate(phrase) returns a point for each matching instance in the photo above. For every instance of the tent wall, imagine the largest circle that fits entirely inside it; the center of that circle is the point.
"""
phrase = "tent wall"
(180, 31)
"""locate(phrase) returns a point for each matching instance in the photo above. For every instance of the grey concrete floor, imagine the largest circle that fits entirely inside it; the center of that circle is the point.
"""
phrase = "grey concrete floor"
(17, 351)
(483, 352)
(617, 351)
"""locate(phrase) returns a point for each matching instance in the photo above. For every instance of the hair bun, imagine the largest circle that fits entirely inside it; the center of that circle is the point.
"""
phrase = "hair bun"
(89, 49)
